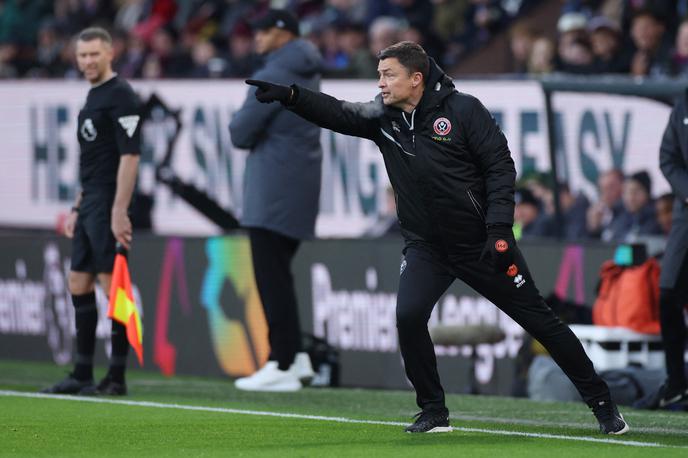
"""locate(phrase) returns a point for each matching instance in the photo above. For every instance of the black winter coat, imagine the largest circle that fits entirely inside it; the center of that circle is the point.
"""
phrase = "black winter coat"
(673, 160)
(448, 161)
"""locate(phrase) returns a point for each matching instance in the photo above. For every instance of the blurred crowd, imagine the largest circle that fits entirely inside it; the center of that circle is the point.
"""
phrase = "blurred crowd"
(632, 37)
(625, 211)
(212, 38)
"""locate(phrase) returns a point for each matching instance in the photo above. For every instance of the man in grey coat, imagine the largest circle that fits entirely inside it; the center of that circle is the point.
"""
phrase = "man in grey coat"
(281, 193)
(673, 280)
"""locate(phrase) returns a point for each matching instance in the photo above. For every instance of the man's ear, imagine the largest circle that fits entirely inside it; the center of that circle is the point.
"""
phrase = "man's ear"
(417, 79)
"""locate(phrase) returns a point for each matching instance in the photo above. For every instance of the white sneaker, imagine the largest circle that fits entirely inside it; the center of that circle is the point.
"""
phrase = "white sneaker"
(302, 368)
(269, 378)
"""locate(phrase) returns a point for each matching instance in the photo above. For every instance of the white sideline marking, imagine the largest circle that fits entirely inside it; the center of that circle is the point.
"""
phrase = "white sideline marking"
(160, 405)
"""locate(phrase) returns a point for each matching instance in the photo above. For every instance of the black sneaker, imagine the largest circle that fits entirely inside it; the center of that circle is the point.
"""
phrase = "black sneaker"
(611, 421)
(663, 397)
(109, 387)
(69, 385)
(430, 421)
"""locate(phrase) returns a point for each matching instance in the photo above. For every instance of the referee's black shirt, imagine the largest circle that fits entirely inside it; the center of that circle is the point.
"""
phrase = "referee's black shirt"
(109, 126)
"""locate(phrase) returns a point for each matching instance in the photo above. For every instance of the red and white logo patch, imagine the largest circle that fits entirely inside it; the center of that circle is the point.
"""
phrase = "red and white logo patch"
(442, 126)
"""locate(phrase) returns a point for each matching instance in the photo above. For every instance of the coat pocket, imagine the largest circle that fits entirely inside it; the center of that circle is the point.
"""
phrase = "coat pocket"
(476, 204)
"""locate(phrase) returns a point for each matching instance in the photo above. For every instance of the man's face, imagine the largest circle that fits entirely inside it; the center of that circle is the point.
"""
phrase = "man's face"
(646, 33)
(266, 40)
(611, 188)
(634, 196)
(604, 42)
(395, 81)
(94, 58)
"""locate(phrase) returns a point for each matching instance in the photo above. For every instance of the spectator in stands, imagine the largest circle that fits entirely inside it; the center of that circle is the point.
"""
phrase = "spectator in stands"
(540, 184)
(573, 208)
(48, 53)
(20, 20)
(679, 56)
(523, 38)
(7, 53)
(68, 61)
(129, 14)
(483, 18)
(152, 68)
(605, 39)
(334, 58)
(665, 10)
(528, 218)
(433, 46)
(664, 206)
(160, 15)
(353, 11)
(206, 64)
(576, 57)
(448, 21)
(609, 207)
(638, 217)
(418, 13)
(542, 57)
(651, 56)
(383, 32)
(574, 54)
(241, 60)
(353, 41)
(173, 62)
(130, 64)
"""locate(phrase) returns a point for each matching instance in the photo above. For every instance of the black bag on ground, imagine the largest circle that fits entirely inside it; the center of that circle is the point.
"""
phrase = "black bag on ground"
(632, 383)
(325, 361)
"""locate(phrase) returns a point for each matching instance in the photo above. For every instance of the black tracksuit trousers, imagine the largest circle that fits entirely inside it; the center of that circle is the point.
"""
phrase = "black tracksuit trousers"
(272, 254)
(427, 275)
(671, 303)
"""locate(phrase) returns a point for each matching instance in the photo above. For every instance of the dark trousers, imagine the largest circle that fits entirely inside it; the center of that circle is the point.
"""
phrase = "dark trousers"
(671, 303)
(272, 254)
(427, 276)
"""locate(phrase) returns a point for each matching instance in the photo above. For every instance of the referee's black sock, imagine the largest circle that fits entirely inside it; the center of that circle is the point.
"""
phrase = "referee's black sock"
(86, 320)
(120, 349)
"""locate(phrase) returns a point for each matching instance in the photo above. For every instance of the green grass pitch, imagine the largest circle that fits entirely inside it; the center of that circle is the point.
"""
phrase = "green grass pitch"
(192, 416)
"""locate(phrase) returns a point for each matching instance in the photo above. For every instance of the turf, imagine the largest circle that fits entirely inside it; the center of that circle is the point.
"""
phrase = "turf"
(41, 426)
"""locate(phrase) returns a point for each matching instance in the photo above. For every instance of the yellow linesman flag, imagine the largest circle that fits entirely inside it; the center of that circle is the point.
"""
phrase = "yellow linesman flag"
(122, 306)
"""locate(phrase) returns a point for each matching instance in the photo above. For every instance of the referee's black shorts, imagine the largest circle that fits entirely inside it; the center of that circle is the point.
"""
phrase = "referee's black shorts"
(93, 245)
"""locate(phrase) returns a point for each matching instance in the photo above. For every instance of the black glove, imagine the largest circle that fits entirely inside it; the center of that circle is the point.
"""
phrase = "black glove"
(269, 92)
(500, 246)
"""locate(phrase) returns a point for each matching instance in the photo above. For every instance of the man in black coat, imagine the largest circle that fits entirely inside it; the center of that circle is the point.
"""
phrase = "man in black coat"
(453, 176)
(673, 280)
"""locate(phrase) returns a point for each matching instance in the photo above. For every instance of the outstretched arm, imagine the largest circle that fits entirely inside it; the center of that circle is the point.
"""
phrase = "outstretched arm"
(357, 119)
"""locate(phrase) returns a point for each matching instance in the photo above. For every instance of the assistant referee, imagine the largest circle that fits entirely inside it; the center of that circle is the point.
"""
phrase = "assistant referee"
(109, 138)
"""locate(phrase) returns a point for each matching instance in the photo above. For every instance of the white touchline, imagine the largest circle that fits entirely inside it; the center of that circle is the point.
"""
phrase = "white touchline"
(160, 405)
